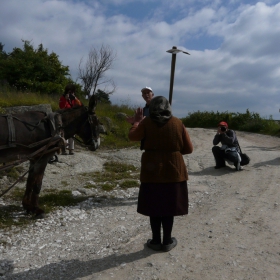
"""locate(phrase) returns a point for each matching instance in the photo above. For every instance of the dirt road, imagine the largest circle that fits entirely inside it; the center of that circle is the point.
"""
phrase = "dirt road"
(231, 232)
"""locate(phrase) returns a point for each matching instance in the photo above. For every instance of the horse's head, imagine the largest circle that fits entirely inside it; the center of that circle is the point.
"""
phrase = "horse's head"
(83, 121)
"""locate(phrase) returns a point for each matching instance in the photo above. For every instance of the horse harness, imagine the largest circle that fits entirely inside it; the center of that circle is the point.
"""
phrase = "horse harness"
(55, 122)
(57, 131)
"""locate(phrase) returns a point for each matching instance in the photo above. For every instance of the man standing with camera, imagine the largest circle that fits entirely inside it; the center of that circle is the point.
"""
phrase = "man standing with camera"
(229, 149)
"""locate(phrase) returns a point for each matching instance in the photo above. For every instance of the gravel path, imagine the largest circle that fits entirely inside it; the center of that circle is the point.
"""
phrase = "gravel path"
(231, 232)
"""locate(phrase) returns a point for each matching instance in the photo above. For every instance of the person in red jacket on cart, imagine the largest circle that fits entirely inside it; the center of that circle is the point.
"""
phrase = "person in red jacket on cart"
(69, 100)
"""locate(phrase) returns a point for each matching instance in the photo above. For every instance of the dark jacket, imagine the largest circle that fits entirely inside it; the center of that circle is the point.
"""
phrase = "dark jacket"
(228, 138)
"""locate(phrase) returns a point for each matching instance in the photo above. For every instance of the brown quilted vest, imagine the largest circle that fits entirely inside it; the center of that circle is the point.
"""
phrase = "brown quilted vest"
(162, 161)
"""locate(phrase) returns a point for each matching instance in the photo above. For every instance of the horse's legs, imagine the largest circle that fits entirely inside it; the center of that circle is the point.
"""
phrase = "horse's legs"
(39, 212)
(30, 200)
(26, 201)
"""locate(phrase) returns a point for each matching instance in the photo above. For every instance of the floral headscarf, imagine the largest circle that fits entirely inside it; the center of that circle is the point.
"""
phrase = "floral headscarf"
(160, 110)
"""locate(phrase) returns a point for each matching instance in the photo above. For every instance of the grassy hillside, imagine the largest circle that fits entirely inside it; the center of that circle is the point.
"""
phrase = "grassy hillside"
(117, 127)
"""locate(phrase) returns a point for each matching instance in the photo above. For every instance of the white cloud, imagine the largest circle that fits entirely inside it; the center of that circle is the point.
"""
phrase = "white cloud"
(243, 72)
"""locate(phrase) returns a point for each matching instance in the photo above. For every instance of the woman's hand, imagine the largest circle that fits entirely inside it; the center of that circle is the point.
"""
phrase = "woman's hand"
(138, 117)
(130, 119)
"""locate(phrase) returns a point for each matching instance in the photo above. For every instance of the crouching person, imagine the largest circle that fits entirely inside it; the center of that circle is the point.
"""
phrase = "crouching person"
(229, 151)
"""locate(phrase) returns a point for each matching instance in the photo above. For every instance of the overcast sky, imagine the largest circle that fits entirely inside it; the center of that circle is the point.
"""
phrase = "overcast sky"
(234, 47)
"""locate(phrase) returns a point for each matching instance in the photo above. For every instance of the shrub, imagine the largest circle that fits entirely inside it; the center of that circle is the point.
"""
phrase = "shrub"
(248, 121)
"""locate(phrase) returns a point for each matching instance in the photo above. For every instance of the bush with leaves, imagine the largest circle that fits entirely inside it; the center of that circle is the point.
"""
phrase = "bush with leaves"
(248, 121)
(33, 69)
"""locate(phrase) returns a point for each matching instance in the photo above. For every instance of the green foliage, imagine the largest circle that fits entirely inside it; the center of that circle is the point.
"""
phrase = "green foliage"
(116, 125)
(30, 69)
(102, 96)
(248, 121)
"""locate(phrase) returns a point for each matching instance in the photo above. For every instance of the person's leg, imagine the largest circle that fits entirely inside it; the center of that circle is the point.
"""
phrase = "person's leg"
(219, 156)
(167, 225)
(155, 243)
(71, 146)
(235, 158)
(155, 223)
(63, 149)
(168, 242)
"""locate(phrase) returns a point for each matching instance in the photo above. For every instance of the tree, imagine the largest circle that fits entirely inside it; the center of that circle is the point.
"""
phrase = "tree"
(3, 57)
(92, 73)
(102, 96)
(33, 69)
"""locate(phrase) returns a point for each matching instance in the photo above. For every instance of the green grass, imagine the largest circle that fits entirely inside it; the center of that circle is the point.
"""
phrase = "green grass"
(117, 127)
(13, 172)
(129, 184)
(15, 194)
(90, 186)
(117, 167)
(114, 173)
(53, 199)
(107, 187)
(11, 98)
(13, 215)
(8, 216)
(48, 201)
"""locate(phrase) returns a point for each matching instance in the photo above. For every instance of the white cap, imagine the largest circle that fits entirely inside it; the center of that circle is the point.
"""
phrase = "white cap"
(150, 89)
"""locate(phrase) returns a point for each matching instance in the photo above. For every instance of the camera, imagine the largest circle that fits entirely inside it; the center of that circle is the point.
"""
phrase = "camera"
(72, 95)
(223, 128)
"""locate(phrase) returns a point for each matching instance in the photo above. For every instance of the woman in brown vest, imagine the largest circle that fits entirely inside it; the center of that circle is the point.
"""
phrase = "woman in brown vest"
(163, 191)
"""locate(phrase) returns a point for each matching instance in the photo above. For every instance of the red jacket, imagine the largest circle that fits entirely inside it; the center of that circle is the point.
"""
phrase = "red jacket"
(67, 103)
